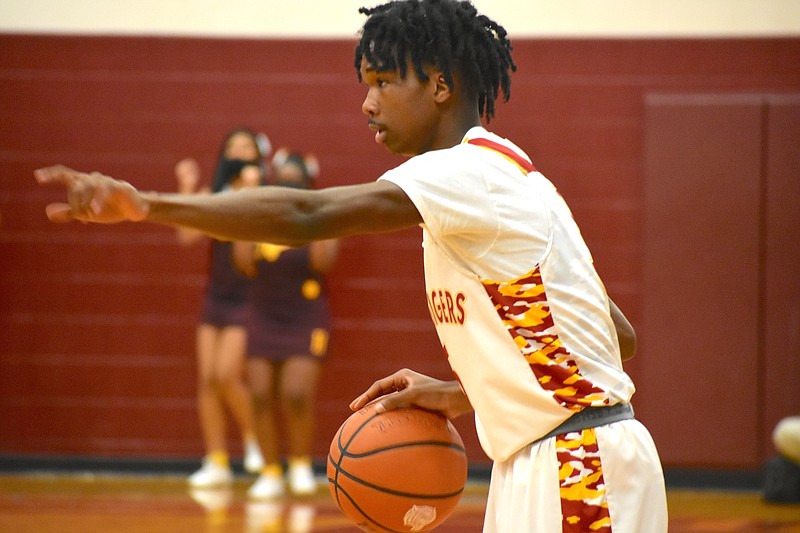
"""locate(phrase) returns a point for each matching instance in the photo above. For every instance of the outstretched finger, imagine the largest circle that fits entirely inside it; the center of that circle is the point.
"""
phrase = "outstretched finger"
(55, 174)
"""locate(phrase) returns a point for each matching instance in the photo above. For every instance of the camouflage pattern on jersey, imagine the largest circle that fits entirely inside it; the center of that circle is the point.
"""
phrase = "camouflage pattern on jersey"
(524, 309)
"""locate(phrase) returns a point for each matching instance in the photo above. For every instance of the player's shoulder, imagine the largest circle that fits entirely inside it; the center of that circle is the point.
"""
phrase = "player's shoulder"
(478, 140)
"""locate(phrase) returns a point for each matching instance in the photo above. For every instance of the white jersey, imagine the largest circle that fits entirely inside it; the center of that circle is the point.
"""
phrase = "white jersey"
(518, 306)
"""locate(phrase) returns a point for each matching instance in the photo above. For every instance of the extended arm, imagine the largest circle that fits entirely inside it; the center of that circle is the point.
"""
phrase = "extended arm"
(278, 215)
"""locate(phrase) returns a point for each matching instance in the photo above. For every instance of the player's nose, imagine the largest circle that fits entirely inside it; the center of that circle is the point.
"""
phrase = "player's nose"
(370, 106)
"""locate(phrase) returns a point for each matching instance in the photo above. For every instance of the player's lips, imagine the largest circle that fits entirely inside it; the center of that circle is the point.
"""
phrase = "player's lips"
(380, 131)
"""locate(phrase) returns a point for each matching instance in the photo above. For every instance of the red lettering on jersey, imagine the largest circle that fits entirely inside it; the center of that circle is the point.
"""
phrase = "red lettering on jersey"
(449, 317)
(446, 308)
(462, 315)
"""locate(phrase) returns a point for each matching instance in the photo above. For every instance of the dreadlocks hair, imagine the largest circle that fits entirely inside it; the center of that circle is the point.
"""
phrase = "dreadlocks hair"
(447, 34)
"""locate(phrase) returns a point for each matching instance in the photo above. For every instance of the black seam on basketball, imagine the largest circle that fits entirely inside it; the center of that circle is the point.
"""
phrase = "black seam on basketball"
(343, 448)
(393, 492)
(358, 430)
(365, 515)
(343, 452)
(335, 481)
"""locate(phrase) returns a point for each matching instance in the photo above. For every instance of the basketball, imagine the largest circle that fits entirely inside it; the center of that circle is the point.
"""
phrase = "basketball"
(403, 470)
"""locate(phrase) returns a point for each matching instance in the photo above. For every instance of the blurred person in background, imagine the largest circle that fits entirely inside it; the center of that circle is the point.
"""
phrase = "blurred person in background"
(287, 340)
(221, 339)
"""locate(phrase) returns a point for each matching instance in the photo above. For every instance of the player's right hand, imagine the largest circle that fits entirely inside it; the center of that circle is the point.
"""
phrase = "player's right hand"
(406, 387)
(92, 197)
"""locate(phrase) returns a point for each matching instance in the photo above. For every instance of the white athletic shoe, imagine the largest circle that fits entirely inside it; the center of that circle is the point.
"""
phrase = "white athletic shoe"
(211, 475)
(301, 479)
(266, 487)
(253, 460)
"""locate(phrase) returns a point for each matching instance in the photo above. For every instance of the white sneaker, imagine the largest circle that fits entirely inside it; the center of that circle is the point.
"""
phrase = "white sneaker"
(301, 480)
(211, 475)
(266, 487)
(253, 460)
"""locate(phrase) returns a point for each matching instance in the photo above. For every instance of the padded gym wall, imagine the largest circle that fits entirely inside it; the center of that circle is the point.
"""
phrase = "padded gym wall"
(97, 323)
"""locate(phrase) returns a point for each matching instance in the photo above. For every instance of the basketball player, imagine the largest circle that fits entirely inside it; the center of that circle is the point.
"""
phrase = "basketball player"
(522, 315)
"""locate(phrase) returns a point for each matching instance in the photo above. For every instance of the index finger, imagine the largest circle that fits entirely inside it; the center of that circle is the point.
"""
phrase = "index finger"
(380, 388)
(55, 174)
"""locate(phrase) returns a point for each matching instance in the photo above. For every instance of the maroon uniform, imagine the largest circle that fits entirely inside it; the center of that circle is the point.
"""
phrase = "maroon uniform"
(226, 302)
(289, 314)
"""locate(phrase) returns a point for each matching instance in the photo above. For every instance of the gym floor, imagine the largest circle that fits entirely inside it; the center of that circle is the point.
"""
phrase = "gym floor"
(121, 503)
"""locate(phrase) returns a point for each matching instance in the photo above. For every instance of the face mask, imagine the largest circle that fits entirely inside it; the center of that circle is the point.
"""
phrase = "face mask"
(231, 168)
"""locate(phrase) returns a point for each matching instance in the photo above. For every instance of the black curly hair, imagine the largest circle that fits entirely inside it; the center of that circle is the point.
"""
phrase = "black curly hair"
(447, 34)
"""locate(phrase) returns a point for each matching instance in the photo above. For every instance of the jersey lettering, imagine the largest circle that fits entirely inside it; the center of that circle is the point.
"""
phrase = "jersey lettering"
(446, 307)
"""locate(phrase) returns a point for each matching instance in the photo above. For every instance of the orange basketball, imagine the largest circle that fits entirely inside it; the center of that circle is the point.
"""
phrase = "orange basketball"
(403, 470)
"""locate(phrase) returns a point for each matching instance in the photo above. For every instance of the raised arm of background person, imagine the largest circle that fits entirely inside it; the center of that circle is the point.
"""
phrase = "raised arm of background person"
(279, 215)
(187, 173)
(626, 335)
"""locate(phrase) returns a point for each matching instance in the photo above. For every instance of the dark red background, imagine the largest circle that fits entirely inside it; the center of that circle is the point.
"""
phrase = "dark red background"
(678, 158)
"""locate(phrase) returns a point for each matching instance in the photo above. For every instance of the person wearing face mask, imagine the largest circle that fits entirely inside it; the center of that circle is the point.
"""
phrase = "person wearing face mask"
(221, 336)
(287, 341)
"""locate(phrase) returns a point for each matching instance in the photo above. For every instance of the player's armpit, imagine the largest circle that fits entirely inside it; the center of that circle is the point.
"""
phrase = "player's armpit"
(625, 332)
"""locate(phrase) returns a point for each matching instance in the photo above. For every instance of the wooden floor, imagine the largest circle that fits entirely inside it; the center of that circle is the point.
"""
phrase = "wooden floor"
(91, 503)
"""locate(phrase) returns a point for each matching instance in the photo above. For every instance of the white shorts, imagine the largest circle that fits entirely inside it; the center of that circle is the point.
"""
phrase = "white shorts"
(602, 480)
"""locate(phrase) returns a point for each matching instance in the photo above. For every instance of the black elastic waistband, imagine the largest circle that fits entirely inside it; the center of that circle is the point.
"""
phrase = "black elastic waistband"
(592, 417)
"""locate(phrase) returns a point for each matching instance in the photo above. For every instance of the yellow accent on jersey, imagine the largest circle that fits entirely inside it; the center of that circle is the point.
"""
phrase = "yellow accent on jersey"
(319, 342)
(269, 252)
(311, 289)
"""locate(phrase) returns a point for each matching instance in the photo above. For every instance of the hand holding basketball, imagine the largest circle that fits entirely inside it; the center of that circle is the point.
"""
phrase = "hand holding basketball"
(406, 387)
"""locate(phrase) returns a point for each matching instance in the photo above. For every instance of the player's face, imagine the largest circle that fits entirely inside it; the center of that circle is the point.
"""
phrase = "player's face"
(402, 111)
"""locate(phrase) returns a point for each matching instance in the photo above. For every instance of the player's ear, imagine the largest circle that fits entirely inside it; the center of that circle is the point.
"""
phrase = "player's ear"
(441, 91)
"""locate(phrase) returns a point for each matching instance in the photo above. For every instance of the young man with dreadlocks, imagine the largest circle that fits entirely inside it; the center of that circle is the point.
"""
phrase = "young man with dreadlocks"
(526, 324)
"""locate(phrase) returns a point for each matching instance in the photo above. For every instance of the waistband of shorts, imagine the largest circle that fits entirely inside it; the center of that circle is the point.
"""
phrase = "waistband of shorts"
(592, 417)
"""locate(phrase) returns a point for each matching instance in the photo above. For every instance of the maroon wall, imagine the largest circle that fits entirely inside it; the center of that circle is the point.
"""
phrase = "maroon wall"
(720, 281)
(96, 323)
